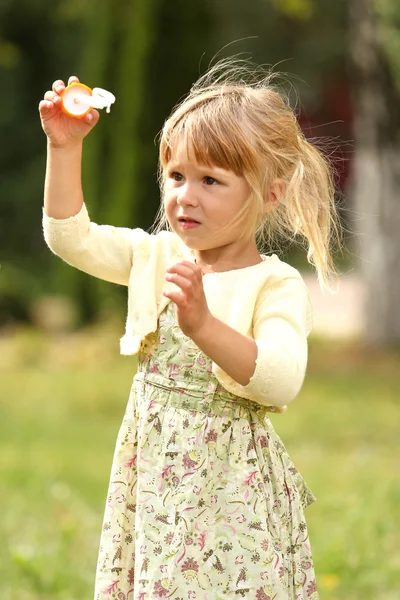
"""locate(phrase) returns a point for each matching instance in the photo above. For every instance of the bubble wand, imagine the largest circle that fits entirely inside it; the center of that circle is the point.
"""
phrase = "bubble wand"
(77, 100)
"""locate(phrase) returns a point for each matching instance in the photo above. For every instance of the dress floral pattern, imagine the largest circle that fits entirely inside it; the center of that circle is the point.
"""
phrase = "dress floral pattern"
(204, 502)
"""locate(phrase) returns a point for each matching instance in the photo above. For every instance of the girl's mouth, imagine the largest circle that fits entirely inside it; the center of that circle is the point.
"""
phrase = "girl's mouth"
(186, 223)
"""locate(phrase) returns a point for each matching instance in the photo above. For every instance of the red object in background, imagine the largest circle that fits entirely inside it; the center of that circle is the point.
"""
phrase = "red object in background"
(333, 120)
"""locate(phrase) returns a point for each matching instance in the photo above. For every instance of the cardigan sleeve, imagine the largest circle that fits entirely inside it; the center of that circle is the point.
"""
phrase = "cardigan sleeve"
(103, 251)
(281, 324)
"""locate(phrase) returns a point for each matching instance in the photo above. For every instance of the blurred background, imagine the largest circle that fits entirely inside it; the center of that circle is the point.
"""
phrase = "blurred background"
(64, 385)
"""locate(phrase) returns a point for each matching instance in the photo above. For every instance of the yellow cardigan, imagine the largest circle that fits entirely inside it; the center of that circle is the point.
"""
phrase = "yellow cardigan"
(268, 302)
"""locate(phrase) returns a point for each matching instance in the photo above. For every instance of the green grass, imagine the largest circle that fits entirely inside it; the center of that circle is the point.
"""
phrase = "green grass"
(61, 405)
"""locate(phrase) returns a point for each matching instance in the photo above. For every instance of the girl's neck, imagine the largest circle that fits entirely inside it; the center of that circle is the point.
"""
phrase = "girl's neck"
(221, 264)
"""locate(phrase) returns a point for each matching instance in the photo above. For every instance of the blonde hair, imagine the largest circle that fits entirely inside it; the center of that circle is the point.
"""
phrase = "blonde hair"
(234, 117)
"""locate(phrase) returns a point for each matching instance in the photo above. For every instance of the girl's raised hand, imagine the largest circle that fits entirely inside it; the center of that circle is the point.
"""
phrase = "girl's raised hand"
(191, 304)
(61, 129)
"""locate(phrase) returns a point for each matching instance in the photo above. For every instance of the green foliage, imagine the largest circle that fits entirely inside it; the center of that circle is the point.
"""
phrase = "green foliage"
(388, 14)
(298, 9)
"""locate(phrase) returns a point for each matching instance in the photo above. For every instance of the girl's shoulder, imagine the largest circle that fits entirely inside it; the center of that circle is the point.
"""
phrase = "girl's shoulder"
(271, 271)
(284, 287)
(278, 272)
(280, 268)
(251, 288)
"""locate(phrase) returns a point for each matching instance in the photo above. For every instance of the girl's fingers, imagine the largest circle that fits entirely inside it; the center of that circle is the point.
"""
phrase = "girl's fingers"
(187, 264)
(193, 268)
(58, 85)
(50, 96)
(92, 117)
(181, 282)
(182, 269)
(175, 297)
(45, 106)
(53, 97)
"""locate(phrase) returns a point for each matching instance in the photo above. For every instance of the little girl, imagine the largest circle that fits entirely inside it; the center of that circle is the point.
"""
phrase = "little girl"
(204, 502)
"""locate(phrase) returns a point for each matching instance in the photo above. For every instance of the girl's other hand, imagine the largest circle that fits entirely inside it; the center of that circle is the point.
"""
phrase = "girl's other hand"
(61, 129)
(191, 304)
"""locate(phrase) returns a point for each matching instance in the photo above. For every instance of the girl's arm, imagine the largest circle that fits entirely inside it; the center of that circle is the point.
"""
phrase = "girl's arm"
(100, 250)
(233, 352)
(272, 366)
(103, 251)
(63, 195)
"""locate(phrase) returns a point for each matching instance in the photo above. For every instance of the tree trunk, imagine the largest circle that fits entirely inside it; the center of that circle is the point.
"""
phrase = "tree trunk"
(137, 37)
(376, 175)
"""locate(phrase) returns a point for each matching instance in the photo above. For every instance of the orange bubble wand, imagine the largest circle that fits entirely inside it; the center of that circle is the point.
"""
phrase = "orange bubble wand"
(77, 100)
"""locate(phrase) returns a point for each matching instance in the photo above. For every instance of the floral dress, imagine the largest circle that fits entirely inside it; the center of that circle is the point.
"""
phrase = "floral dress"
(204, 502)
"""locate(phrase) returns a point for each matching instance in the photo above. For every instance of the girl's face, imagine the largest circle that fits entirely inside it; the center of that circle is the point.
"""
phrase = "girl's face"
(200, 201)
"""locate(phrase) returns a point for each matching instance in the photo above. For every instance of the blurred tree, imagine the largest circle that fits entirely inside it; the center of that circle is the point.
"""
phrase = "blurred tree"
(37, 41)
(376, 172)
(388, 12)
(136, 35)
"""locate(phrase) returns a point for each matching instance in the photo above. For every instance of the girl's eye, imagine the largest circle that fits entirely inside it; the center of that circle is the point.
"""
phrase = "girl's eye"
(176, 176)
(210, 180)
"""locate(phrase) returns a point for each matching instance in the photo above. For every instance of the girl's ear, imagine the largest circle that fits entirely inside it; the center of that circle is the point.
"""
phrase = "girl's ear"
(274, 195)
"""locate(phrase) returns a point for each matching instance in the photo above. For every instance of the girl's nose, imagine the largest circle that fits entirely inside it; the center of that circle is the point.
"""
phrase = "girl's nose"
(187, 196)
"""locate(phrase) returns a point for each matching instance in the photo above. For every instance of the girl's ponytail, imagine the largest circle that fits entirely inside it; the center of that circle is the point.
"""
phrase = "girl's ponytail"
(310, 209)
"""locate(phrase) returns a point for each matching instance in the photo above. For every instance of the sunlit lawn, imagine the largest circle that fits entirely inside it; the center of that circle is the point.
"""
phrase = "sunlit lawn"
(61, 410)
